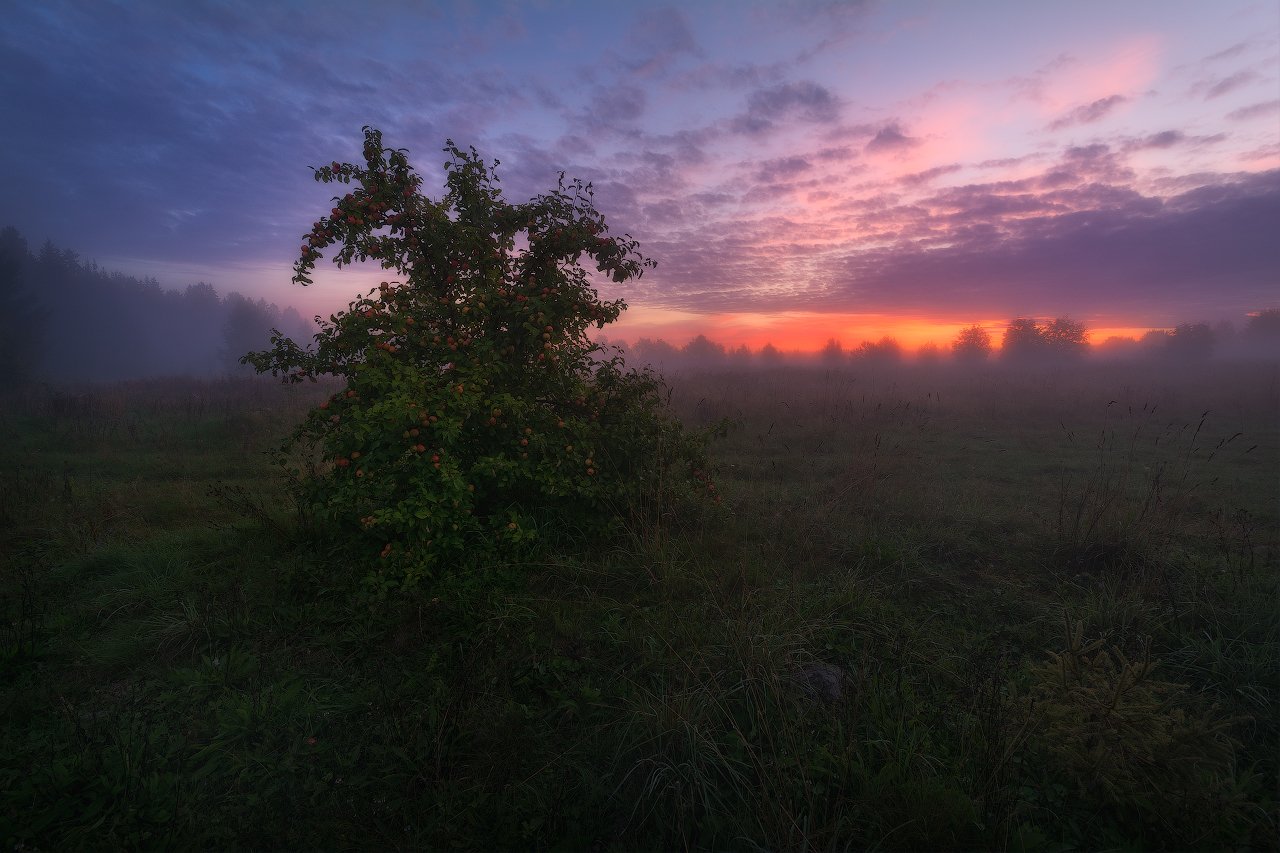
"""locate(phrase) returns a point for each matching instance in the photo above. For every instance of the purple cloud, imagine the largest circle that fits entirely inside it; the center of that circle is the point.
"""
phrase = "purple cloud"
(891, 138)
(928, 175)
(1227, 53)
(656, 40)
(1266, 108)
(837, 154)
(621, 105)
(980, 202)
(1206, 250)
(1076, 238)
(1088, 113)
(1228, 84)
(783, 168)
(802, 101)
(1164, 139)
(1095, 162)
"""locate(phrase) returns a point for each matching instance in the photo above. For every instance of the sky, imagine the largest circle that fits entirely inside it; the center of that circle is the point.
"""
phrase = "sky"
(799, 170)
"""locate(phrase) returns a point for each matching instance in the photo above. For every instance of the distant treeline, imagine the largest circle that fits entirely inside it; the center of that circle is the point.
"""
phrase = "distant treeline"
(65, 319)
(1025, 341)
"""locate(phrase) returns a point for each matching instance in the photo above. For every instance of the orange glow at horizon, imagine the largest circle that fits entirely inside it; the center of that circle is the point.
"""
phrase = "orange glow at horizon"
(788, 331)
(794, 331)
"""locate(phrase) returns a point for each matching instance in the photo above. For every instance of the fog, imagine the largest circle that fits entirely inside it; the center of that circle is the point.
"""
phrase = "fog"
(63, 319)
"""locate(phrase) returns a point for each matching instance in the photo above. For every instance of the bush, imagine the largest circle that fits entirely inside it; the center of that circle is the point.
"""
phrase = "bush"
(476, 413)
(1143, 753)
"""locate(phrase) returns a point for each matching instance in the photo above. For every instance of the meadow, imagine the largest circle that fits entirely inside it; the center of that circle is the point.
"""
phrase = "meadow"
(936, 609)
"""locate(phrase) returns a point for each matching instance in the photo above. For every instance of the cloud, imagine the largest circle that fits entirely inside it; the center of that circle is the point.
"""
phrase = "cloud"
(621, 105)
(712, 76)
(928, 175)
(971, 203)
(1007, 162)
(1088, 113)
(800, 101)
(666, 212)
(1218, 88)
(891, 138)
(656, 40)
(713, 199)
(203, 111)
(1078, 236)
(1228, 53)
(1164, 139)
(836, 154)
(1096, 163)
(203, 120)
(783, 168)
(1266, 108)
(1122, 253)
(1033, 87)
(1167, 139)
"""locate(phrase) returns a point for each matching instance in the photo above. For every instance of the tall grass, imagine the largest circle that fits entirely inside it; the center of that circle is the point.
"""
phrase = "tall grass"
(934, 610)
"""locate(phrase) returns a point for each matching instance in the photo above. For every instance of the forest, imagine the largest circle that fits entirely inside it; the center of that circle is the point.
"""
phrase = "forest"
(64, 319)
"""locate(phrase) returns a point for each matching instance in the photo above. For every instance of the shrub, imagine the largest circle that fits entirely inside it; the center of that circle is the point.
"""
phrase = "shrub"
(1143, 752)
(476, 413)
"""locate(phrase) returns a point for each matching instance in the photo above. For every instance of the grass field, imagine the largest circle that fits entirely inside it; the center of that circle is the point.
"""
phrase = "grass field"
(935, 610)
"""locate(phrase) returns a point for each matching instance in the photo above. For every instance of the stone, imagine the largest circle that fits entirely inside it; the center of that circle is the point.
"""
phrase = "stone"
(821, 682)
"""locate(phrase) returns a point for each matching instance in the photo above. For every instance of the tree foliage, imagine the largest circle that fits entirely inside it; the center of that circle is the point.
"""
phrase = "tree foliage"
(1060, 339)
(1191, 342)
(1065, 338)
(249, 323)
(972, 345)
(21, 320)
(885, 351)
(1023, 341)
(656, 352)
(476, 413)
(704, 352)
(111, 326)
(1264, 326)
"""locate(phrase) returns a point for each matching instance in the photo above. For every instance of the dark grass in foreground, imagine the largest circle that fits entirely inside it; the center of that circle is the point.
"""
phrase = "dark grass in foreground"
(936, 610)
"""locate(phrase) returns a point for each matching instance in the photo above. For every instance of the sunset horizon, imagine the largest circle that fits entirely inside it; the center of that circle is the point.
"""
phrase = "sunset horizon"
(808, 334)
(799, 172)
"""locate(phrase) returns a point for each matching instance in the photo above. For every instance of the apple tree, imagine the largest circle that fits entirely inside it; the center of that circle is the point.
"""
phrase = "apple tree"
(475, 414)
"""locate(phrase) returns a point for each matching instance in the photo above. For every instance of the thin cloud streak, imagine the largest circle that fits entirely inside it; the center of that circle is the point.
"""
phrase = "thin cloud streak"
(1089, 113)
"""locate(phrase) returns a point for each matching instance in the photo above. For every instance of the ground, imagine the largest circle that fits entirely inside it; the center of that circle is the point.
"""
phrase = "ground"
(1049, 597)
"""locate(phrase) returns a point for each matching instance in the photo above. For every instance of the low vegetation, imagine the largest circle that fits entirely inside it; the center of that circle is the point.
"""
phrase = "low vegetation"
(935, 609)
